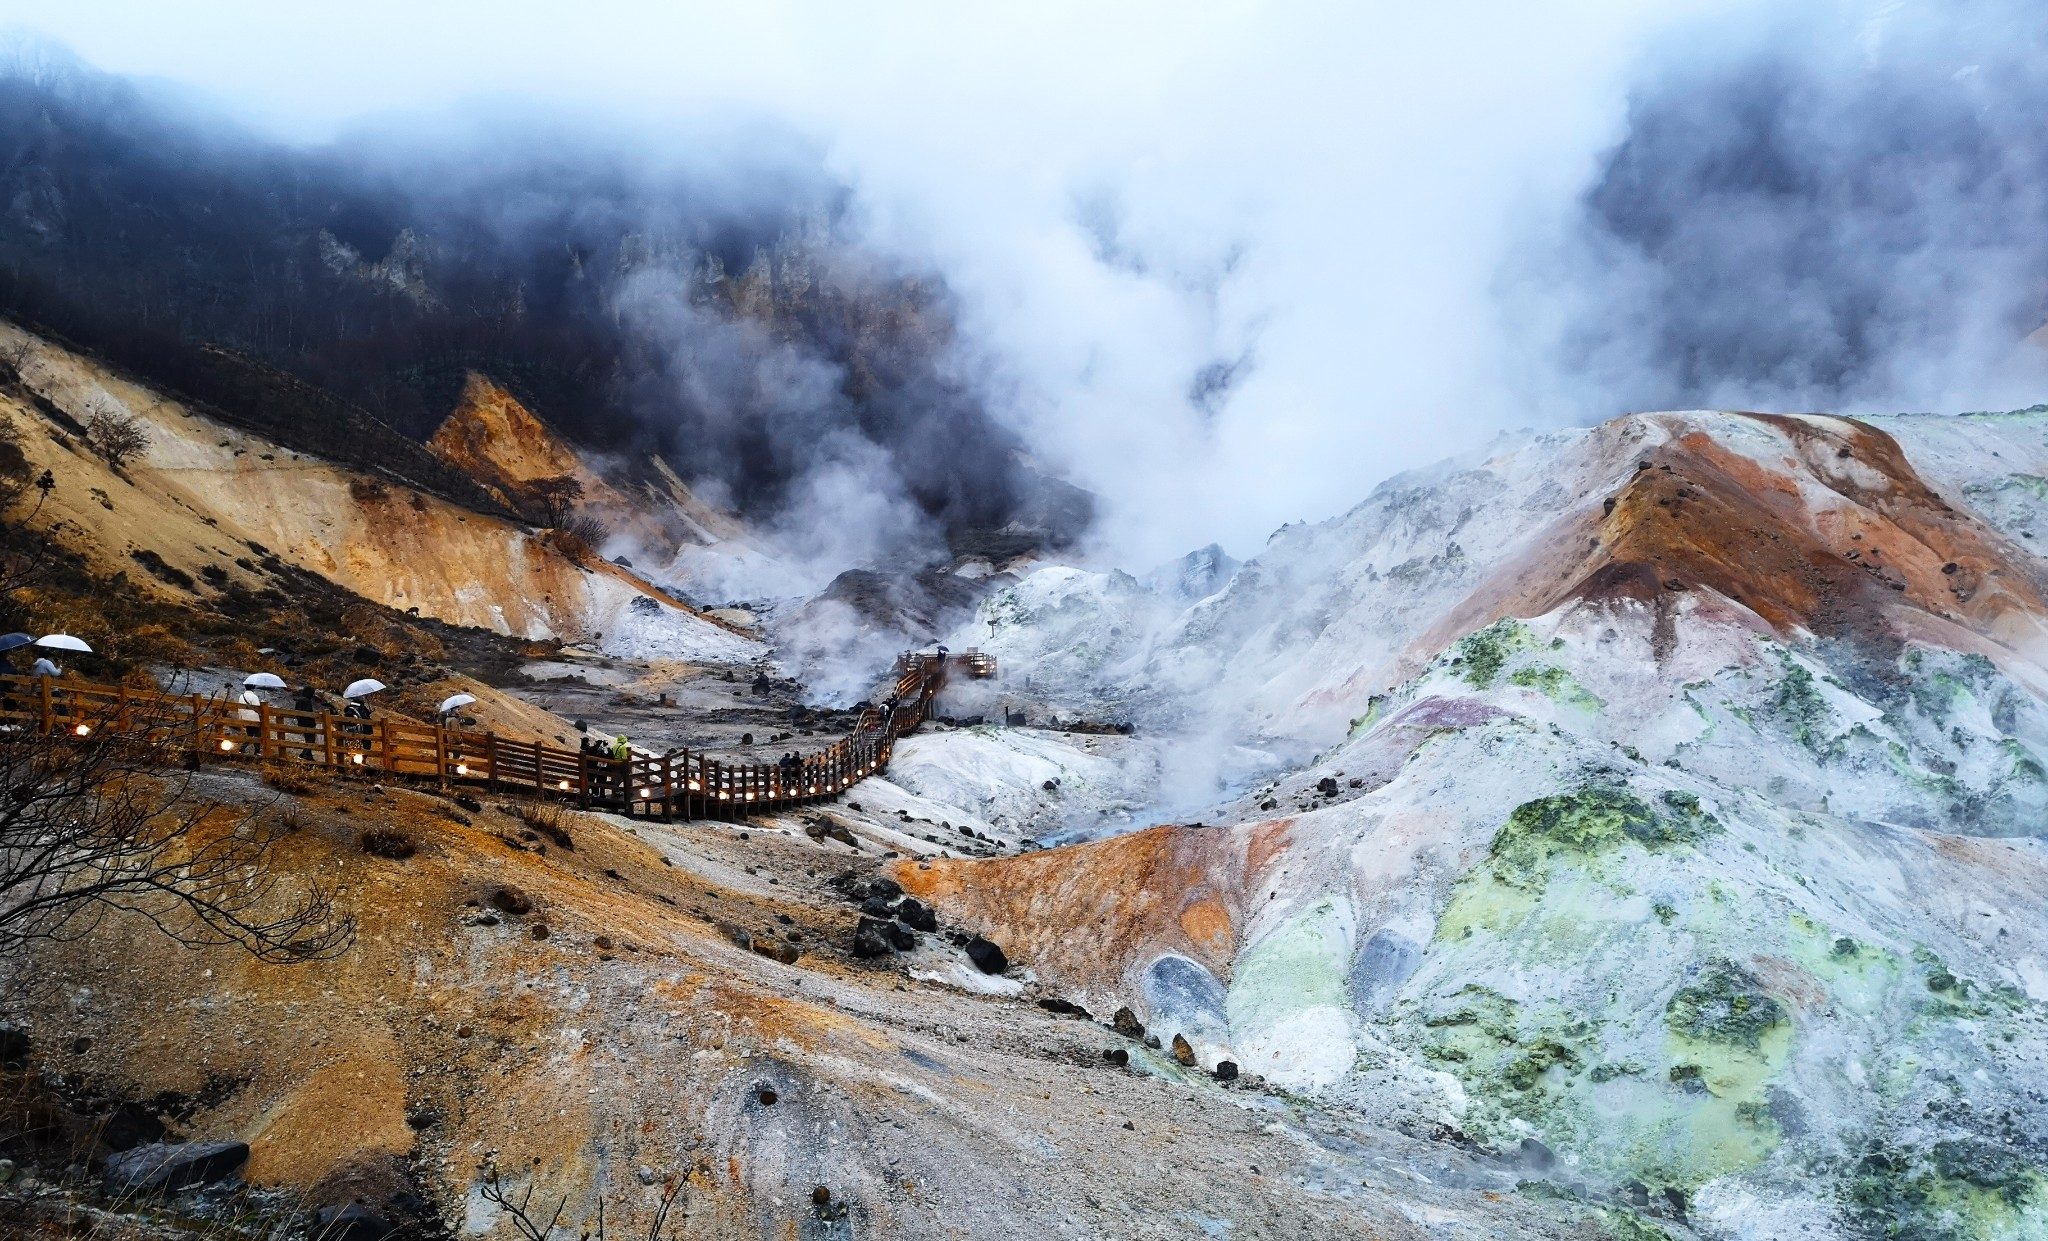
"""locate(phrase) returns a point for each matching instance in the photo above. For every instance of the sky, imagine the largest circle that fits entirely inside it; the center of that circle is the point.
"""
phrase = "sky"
(1229, 265)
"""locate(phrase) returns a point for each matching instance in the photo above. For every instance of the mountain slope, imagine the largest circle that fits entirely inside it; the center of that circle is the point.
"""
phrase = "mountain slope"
(1687, 835)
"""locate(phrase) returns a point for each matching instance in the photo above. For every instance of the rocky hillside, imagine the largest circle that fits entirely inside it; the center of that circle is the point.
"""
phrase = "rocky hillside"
(204, 506)
(1677, 823)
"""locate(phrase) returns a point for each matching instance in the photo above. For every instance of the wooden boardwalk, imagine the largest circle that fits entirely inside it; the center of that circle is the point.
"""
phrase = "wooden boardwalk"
(682, 784)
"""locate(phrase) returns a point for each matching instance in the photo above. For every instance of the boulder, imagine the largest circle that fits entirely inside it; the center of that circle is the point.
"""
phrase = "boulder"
(1117, 1056)
(167, 1167)
(1183, 1052)
(885, 887)
(871, 939)
(878, 907)
(917, 915)
(512, 901)
(987, 957)
(1127, 1024)
(1226, 1070)
(902, 937)
(1327, 786)
(776, 950)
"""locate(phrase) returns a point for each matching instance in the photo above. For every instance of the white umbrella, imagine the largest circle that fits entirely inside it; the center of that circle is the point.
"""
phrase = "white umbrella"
(263, 680)
(363, 688)
(456, 700)
(63, 642)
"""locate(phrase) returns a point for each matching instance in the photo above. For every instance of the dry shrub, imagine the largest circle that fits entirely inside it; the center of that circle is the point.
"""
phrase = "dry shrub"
(368, 491)
(289, 778)
(547, 818)
(387, 843)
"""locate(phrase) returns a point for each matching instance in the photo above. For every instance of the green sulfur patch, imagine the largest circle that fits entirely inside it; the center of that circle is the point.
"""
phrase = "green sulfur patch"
(1963, 1188)
(1591, 820)
(1725, 1004)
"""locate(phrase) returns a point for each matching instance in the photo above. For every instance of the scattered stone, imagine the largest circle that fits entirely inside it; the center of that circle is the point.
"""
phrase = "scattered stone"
(14, 1047)
(1064, 1008)
(1183, 1052)
(1117, 1056)
(469, 803)
(1152, 1041)
(1327, 786)
(1226, 1070)
(821, 1196)
(512, 901)
(540, 930)
(1127, 1024)
(987, 957)
(877, 907)
(884, 886)
(902, 937)
(463, 1032)
(1131, 1126)
(645, 1173)
(602, 943)
(917, 915)
(167, 1167)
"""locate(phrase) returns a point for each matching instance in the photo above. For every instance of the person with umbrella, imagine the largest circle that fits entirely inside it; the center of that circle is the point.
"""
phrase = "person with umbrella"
(358, 709)
(250, 711)
(451, 704)
(45, 667)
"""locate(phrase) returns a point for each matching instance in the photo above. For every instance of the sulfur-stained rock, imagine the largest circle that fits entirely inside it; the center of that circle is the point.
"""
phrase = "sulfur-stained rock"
(1183, 1052)
(1127, 1024)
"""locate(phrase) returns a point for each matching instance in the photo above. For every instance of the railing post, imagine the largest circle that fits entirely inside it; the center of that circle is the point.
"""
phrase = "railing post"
(491, 761)
(384, 746)
(583, 779)
(441, 755)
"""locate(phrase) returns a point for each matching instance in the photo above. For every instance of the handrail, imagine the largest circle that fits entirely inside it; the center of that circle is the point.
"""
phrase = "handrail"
(682, 784)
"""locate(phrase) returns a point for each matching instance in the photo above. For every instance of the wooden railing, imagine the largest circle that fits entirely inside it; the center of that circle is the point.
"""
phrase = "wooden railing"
(682, 784)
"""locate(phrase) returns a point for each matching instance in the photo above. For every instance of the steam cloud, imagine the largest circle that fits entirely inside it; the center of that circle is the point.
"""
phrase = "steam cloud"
(1230, 267)
(1843, 212)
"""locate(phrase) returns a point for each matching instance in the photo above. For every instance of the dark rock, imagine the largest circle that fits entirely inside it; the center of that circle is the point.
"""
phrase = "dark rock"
(821, 1196)
(871, 939)
(1536, 1155)
(512, 901)
(902, 937)
(540, 930)
(1117, 1056)
(878, 907)
(884, 886)
(384, 843)
(352, 1221)
(1183, 1052)
(1064, 1008)
(1152, 1041)
(80, 1045)
(1226, 1070)
(166, 1168)
(917, 915)
(130, 1125)
(1327, 786)
(987, 957)
(1051, 786)
(1127, 1024)
(740, 935)
(14, 1048)
(469, 803)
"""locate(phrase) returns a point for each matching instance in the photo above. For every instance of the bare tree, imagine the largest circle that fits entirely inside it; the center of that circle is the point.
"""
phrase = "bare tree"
(551, 500)
(115, 436)
(97, 818)
(587, 530)
(14, 355)
(526, 1220)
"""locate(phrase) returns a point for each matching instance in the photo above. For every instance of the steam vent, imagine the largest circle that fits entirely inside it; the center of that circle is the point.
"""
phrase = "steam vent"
(600, 642)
